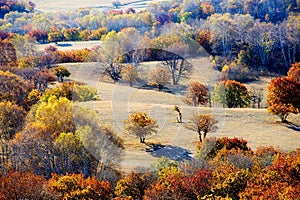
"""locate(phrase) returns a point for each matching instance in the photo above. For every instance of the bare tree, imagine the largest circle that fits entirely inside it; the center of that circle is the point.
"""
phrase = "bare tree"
(174, 58)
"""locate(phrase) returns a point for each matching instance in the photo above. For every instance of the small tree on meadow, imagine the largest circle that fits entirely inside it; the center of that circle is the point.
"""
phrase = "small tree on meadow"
(140, 125)
(284, 97)
(159, 77)
(196, 94)
(231, 93)
(129, 74)
(60, 72)
(179, 118)
(202, 124)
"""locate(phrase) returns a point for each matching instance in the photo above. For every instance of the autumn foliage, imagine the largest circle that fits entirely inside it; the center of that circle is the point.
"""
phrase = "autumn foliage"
(284, 97)
(197, 94)
(140, 125)
(75, 186)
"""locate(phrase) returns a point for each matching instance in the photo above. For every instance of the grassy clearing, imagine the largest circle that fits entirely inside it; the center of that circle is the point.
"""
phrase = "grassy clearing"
(256, 126)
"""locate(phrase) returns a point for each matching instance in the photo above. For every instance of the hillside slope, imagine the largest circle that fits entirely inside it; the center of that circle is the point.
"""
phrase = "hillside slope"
(256, 126)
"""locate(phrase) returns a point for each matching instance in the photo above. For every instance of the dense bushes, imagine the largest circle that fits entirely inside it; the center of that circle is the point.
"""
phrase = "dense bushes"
(221, 178)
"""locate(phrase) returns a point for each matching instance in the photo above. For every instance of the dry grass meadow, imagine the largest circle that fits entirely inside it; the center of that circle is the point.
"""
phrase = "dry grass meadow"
(256, 126)
(117, 101)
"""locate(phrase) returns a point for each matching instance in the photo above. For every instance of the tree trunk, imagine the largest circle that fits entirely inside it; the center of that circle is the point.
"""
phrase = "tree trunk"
(160, 87)
(142, 140)
(179, 119)
(200, 136)
(283, 117)
(204, 135)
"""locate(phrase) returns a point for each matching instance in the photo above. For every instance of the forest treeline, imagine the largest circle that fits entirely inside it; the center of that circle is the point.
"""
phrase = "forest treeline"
(246, 35)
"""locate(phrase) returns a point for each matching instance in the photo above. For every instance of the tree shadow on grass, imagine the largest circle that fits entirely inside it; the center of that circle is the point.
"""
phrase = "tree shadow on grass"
(293, 126)
(169, 151)
(64, 44)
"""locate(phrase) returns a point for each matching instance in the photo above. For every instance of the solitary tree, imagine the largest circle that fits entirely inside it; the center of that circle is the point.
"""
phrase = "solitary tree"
(202, 123)
(159, 77)
(197, 94)
(179, 118)
(284, 97)
(60, 72)
(140, 125)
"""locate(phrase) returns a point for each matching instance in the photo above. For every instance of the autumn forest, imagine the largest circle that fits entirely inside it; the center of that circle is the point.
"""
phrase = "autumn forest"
(150, 100)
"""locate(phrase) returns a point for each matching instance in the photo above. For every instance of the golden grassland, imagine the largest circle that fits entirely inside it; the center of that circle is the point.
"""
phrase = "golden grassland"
(117, 101)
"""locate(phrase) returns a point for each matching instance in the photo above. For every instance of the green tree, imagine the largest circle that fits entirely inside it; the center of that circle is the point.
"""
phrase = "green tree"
(231, 93)
(55, 36)
(140, 125)
(60, 72)
(71, 34)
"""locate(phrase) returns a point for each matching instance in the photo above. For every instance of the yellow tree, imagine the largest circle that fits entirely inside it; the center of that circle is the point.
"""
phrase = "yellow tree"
(74, 186)
(140, 125)
(56, 113)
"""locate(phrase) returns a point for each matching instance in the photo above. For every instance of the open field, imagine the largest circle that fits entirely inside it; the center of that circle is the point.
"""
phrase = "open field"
(56, 5)
(256, 126)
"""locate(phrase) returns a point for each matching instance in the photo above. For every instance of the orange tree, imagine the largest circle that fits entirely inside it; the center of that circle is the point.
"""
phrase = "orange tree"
(294, 72)
(197, 94)
(23, 186)
(284, 97)
(281, 180)
(134, 185)
(14, 88)
(202, 123)
(140, 125)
